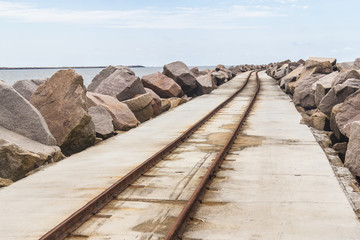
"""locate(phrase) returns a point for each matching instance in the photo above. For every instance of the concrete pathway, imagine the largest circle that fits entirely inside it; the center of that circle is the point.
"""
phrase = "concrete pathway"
(32, 206)
(276, 183)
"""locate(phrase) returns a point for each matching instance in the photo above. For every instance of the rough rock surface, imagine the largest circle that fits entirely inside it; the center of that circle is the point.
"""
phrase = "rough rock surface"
(340, 148)
(345, 66)
(19, 155)
(323, 85)
(338, 94)
(304, 94)
(333, 125)
(282, 71)
(317, 120)
(181, 74)
(102, 120)
(165, 104)
(141, 106)
(205, 84)
(27, 87)
(291, 77)
(118, 81)
(156, 102)
(219, 77)
(62, 102)
(322, 59)
(123, 117)
(343, 76)
(175, 102)
(162, 85)
(5, 182)
(352, 158)
(195, 71)
(311, 67)
(348, 113)
(18, 115)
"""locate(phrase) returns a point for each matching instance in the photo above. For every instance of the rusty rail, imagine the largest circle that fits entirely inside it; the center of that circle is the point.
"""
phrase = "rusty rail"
(74, 221)
(182, 219)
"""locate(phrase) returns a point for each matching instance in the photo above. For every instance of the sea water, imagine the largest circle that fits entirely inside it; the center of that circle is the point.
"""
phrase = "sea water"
(12, 75)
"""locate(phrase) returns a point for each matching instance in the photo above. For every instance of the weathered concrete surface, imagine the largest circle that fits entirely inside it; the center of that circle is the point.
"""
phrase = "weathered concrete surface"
(49, 196)
(152, 202)
(270, 188)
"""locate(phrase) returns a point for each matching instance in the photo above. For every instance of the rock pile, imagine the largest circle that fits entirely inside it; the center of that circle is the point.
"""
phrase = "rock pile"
(25, 139)
(328, 95)
(43, 120)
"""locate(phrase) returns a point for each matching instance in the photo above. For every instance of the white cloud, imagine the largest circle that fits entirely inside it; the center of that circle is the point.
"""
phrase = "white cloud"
(141, 18)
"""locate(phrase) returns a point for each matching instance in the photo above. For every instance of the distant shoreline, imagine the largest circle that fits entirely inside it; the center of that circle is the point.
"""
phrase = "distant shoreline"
(36, 68)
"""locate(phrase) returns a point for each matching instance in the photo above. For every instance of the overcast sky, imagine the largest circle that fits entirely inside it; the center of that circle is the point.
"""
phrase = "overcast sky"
(156, 32)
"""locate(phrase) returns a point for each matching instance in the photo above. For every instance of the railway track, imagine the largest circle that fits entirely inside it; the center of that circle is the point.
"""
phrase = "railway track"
(156, 199)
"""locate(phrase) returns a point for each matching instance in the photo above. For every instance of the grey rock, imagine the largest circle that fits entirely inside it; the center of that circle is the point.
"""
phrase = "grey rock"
(181, 74)
(141, 106)
(352, 158)
(195, 71)
(345, 66)
(102, 120)
(205, 84)
(322, 86)
(343, 76)
(233, 70)
(119, 82)
(311, 67)
(62, 102)
(291, 77)
(27, 87)
(333, 125)
(20, 155)
(282, 71)
(304, 94)
(338, 94)
(348, 113)
(340, 148)
(219, 77)
(18, 115)
(123, 117)
(356, 64)
(156, 102)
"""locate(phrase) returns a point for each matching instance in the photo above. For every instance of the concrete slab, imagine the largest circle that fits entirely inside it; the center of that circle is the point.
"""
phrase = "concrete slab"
(34, 205)
(276, 183)
(165, 189)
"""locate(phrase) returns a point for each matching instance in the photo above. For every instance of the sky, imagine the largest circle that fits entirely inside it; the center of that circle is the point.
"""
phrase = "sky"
(36, 33)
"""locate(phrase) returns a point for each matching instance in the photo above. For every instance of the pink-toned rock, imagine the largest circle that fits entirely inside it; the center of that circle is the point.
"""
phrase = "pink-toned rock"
(352, 157)
(205, 84)
(162, 85)
(62, 102)
(311, 67)
(123, 118)
(348, 113)
(182, 75)
(141, 106)
(117, 81)
(156, 102)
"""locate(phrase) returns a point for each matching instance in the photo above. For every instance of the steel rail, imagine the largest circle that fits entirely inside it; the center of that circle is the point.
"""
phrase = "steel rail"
(70, 224)
(182, 219)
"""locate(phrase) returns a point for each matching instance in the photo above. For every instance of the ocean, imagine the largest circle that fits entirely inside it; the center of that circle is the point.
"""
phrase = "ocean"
(12, 75)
